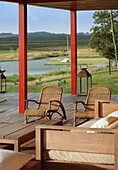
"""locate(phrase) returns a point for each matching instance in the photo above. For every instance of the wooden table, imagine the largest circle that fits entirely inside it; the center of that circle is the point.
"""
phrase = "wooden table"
(19, 133)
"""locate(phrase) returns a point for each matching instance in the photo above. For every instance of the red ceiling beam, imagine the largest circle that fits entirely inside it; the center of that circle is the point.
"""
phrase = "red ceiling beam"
(22, 57)
(46, 1)
(73, 53)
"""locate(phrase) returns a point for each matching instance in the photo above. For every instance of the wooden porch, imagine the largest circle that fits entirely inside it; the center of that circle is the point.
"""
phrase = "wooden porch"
(9, 112)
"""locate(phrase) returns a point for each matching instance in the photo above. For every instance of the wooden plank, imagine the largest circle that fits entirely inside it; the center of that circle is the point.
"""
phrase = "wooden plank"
(106, 108)
(3, 125)
(28, 130)
(78, 141)
(10, 128)
(22, 133)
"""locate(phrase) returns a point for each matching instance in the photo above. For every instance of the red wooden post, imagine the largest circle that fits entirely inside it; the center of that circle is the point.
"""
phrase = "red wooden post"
(73, 53)
(22, 56)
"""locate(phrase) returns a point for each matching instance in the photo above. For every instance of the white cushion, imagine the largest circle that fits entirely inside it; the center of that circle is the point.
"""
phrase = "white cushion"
(79, 157)
(106, 121)
(102, 123)
(11, 160)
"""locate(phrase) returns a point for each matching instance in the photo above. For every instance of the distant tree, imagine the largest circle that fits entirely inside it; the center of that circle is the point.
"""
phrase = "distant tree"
(104, 36)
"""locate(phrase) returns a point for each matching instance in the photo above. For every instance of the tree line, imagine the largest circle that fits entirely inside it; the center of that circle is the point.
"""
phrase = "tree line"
(38, 40)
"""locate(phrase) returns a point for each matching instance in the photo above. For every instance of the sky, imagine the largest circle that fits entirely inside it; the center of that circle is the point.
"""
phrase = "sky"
(43, 19)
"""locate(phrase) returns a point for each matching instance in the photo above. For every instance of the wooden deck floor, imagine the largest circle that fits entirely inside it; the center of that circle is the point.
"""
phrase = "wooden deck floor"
(9, 111)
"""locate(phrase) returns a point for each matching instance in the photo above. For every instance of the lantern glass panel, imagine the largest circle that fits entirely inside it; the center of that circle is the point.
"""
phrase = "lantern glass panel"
(3, 85)
(84, 82)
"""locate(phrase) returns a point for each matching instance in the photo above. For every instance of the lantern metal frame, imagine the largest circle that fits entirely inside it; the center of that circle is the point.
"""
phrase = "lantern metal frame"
(83, 77)
(2, 81)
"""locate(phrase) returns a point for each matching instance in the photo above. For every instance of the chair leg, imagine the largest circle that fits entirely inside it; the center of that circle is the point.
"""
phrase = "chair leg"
(75, 120)
(26, 119)
(49, 114)
(63, 111)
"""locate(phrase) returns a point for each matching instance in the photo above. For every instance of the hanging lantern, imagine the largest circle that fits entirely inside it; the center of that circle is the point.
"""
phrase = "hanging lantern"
(84, 82)
(2, 81)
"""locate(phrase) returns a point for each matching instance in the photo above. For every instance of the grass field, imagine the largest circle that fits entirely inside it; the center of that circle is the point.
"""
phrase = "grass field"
(100, 76)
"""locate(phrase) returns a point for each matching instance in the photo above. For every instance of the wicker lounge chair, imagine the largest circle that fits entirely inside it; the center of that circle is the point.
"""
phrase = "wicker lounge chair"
(50, 103)
(87, 112)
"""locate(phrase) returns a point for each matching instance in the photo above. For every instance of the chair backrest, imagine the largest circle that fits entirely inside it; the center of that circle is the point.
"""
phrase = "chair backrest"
(98, 93)
(49, 93)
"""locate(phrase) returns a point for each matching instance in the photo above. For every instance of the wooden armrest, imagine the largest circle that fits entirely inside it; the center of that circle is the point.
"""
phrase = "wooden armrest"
(102, 101)
(104, 107)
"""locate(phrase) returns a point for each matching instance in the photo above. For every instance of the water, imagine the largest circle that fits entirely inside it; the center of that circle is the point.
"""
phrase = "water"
(34, 67)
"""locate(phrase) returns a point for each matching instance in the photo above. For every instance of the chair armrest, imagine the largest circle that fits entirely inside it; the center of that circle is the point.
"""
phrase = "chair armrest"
(76, 105)
(51, 101)
(55, 101)
(80, 102)
(27, 102)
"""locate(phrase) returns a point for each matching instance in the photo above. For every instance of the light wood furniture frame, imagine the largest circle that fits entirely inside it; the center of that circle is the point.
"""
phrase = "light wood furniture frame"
(104, 107)
(76, 140)
(17, 134)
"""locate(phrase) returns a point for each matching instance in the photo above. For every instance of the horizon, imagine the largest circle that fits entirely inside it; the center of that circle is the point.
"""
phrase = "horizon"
(43, 19)
(43, 32)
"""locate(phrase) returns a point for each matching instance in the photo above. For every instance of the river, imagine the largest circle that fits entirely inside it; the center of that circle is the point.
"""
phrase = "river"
(34, 67)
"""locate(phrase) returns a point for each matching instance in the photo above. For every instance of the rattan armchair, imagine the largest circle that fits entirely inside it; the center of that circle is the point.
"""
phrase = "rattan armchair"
(87, 109)
(50, 103)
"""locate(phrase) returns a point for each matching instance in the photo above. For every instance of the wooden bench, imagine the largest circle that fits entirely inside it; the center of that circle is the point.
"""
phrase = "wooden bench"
(19, 133)
(73, 139)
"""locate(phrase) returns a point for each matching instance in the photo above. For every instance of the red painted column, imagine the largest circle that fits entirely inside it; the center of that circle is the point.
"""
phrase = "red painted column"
(22, 56)
(73, 53)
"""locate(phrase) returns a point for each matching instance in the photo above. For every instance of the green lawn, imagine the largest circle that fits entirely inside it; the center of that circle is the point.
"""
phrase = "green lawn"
(36, 82)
